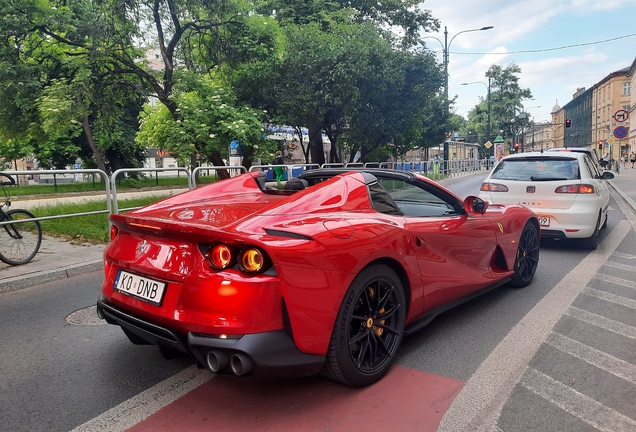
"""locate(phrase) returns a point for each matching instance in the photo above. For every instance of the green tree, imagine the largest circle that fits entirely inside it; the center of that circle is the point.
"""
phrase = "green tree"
(506, 98)
(400, 105)
(65, 90)
(406, 15)
(209, 119)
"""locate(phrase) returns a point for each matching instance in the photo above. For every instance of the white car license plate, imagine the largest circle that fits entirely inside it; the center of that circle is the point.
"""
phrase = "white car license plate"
(544, 221)
(140, 287)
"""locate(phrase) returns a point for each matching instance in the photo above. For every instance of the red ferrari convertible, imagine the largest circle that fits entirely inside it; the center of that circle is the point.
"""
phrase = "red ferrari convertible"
(326, 276)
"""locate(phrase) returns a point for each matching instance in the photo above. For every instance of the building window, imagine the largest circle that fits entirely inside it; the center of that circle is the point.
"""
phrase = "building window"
(627, 89)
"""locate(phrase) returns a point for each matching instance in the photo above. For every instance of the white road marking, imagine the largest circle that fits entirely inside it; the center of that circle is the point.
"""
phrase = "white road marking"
(613, 298)
(621, 266)
(615, 280)
(623, 255)
(583, 407)
(479, 404)
(129, 413)
(601, 360)
(601, 321)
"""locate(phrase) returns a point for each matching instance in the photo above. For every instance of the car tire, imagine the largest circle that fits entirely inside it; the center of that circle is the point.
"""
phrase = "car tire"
(591, 242)
(368, 329)
(605, 222)
(527, 259)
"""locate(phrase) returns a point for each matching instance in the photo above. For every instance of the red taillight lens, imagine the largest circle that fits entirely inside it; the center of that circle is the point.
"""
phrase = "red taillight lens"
(494, 187)
(575, 189)
(113, 232)
(252, 260)
(220, 256)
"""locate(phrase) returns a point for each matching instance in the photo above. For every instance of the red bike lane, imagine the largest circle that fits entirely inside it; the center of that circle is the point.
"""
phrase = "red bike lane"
(405, 399)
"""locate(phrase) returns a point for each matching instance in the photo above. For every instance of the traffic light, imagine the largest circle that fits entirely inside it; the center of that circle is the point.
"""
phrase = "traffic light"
(568, 123)
(600, 145)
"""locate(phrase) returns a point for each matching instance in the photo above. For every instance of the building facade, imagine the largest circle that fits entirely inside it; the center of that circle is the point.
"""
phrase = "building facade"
(577, 114)
(611, 95)
(558, 123)
(631, 75)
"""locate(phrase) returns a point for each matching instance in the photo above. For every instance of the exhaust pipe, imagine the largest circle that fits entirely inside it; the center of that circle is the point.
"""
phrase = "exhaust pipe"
(241, 364)
(217, 360)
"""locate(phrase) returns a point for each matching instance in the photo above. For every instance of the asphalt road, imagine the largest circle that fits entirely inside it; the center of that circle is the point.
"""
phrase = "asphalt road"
(62, 368)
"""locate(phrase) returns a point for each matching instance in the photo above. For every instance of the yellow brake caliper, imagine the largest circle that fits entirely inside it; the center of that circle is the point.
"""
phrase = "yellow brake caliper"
(370, 325)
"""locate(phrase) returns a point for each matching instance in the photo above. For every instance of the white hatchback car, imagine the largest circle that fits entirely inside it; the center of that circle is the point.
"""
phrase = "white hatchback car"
(564, 189)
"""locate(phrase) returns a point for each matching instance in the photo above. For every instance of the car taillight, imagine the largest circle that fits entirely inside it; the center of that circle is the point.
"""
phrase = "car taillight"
(220, 256)
(252, 260)
(494, 187)
(575, 189)
(113, 232)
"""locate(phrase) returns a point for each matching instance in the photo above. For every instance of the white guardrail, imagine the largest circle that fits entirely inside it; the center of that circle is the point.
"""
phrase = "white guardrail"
(432, 169)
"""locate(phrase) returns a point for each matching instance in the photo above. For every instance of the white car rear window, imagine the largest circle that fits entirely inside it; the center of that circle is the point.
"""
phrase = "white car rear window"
(537, 169)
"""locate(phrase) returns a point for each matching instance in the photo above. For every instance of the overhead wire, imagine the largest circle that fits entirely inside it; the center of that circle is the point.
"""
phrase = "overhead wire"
(547, 49)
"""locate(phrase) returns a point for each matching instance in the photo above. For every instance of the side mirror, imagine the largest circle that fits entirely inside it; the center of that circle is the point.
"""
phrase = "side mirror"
(607, 175)
(473, 204)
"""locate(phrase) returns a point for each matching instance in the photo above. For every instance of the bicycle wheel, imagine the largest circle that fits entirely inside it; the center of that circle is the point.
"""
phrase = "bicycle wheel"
(20, 242)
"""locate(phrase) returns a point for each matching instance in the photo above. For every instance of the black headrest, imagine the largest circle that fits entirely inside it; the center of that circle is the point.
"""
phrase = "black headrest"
(296, 184)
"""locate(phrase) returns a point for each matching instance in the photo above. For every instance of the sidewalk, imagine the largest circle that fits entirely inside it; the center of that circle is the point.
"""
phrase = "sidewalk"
(59, 259)
(625, 184)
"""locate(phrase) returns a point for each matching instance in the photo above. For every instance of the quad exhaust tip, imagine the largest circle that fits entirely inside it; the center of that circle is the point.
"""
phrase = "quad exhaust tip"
(241, 364)
(217, 361)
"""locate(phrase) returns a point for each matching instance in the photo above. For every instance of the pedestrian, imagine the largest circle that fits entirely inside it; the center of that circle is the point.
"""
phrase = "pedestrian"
(624, 159)
(632, 159)
(278, 170)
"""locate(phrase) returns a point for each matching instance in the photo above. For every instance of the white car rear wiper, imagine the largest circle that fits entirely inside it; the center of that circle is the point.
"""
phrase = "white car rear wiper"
(548, 178)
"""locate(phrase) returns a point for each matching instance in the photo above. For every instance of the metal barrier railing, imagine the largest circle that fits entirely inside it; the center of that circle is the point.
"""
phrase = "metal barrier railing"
(102, 174)
(195, 173)
(113, 181)
(432, 169)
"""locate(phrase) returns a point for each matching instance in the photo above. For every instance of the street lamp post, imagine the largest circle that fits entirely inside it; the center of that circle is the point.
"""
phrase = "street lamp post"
(488, 99)
(447, 44)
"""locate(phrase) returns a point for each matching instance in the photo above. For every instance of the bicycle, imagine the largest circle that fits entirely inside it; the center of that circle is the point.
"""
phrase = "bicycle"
(24, 238)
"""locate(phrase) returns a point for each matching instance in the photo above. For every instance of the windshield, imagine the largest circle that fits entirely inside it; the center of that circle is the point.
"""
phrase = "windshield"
(537, 170)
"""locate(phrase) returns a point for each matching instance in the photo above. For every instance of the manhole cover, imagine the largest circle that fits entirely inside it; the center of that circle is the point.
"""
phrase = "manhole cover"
(85, 317)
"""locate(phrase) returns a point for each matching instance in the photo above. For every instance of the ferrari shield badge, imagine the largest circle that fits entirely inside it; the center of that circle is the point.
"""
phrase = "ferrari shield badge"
(142, 248)
(501, 228)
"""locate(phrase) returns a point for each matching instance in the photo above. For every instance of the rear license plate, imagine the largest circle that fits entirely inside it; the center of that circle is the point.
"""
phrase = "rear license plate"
(143, 288)
(544, 221)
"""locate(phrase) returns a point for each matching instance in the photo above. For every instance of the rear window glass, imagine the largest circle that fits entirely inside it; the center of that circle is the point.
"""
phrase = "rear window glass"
(537, 169)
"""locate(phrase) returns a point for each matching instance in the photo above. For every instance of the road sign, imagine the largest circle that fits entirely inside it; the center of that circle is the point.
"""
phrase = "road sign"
(488, 144)
(610, 140)
(620, 132)
(621, 115)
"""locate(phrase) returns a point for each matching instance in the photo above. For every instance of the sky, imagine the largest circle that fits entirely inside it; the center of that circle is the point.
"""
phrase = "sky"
(600, 36)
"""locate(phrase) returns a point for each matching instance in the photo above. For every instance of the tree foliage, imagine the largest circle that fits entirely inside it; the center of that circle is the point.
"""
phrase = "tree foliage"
(209, 119)
(75, 76)
(506, 101)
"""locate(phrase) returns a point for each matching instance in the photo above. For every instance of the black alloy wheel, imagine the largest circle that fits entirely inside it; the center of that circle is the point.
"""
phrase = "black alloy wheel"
(527, 258)
(368, 328)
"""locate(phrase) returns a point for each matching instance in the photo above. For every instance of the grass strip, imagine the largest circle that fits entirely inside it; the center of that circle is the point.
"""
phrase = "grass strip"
(85, 228)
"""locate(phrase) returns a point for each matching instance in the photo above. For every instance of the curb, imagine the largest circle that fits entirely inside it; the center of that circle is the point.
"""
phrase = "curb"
(64, 272)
